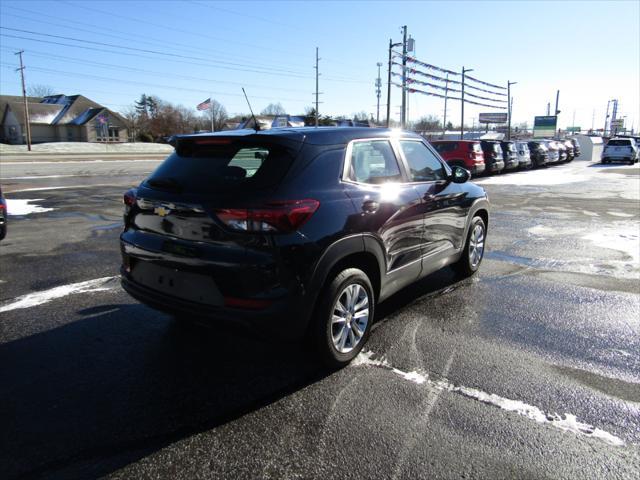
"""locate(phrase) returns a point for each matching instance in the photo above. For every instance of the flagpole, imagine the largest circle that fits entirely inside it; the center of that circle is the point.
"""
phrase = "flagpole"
(211, 111)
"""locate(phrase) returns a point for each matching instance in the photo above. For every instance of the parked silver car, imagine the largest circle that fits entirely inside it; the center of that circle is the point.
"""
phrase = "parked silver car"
(524, 155)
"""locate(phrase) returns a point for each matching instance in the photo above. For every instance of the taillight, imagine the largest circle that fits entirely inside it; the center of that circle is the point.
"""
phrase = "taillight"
(278, 217)
(129, 199)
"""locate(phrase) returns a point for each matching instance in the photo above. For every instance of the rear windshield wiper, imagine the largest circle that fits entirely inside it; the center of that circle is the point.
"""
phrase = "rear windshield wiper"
(167, 183)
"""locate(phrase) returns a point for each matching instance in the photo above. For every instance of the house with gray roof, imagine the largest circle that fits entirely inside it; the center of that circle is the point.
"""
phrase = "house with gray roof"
(60, 118)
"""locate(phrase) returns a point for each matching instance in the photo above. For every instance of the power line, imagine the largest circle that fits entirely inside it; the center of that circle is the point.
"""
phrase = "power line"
(134, 49)
(168, 27)
(173, 57)
(145, 84)
(141, 70)
(131, 36)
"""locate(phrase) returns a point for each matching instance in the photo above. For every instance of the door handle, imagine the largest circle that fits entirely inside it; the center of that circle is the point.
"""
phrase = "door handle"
(370, 206)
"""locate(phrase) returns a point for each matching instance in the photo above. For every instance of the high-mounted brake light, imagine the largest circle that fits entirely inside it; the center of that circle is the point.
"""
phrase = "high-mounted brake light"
(278, 217)
(213, 141)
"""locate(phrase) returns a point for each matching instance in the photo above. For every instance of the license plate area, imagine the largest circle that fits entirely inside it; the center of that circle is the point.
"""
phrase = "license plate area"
(185, 285)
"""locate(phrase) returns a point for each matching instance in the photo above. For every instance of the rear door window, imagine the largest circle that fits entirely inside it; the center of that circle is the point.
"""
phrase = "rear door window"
(224, 167)
(423, 164)
(373, 161)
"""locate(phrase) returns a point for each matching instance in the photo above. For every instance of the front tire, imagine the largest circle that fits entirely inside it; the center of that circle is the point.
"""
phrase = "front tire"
(344, 317)
(473, 251)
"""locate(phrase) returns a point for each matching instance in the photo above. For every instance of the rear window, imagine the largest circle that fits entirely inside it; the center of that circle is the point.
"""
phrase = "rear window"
(475, 147)
(508, 147)
(619, 143)
(215, 168)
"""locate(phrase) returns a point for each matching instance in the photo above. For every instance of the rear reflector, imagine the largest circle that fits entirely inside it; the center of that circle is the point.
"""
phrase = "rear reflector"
(278, 217)
(248, 303)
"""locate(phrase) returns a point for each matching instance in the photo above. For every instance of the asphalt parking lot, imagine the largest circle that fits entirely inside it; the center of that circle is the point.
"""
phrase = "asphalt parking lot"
(530, 369)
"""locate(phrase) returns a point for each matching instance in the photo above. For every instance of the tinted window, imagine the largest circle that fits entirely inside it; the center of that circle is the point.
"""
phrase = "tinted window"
(373, 161)
(619, 143)
(215, 168)
(424, 166)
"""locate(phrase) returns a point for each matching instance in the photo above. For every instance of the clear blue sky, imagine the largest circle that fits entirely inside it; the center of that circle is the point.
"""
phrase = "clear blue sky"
(588, 50)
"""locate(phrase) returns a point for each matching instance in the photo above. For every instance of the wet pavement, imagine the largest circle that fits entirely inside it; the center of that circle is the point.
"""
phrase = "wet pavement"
(530, 369)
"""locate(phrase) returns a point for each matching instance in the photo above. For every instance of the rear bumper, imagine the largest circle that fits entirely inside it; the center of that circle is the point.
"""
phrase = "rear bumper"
(283, 318)
(478, 168)
(495, 166)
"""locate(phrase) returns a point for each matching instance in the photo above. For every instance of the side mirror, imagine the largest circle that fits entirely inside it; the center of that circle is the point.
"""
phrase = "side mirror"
(460, 175)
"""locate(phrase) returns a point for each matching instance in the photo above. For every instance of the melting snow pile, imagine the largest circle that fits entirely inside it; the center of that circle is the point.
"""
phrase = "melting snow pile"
(23, 207)
(568, 423)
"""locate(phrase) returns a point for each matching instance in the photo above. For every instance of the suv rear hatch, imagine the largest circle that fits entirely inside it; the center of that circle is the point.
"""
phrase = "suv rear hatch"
(203, 219)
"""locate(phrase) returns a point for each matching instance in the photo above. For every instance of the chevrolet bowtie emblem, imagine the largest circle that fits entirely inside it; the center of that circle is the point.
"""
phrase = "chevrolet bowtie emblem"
(161, 211)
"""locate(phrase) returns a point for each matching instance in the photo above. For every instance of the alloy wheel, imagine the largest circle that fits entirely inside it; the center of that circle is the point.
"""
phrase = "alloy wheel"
(476, 245)
(350, 317)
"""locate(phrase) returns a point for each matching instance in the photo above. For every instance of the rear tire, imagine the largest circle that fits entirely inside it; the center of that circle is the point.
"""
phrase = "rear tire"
(473, 251)
(343, 318)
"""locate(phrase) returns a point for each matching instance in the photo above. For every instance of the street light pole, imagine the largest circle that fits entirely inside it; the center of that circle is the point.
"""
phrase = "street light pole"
(606, 118)
(378, 91)
(446, 95)
(403, 116)
(509, 108)
(391, 45)
(464, 70)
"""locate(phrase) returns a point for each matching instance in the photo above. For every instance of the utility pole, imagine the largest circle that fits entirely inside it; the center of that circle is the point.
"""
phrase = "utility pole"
(378, 92)
(573, 121)
(593, 119)
(509, 106)
(391, 45)
(403, 113)
(317, 86)
(614, 116)
(446, 94)
(548, 108)
(557, 111)
(26, 105)
(464, 71)
(211, 111)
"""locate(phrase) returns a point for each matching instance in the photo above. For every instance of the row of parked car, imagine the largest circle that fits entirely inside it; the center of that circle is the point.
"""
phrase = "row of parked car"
(493, 156)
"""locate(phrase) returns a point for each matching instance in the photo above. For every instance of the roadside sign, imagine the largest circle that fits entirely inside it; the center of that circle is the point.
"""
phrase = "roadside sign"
(574, 129)
(492, 118)
(545, 126)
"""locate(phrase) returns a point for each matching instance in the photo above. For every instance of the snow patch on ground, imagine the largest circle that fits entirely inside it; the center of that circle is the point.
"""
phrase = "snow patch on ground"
(620, 214)
(568, 422)
(23, 207)
(45, 296)
(624, 238)
(535, 177)
(85, 147)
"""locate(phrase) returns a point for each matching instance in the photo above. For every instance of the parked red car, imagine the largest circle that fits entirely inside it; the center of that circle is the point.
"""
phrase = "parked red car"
(461, 153)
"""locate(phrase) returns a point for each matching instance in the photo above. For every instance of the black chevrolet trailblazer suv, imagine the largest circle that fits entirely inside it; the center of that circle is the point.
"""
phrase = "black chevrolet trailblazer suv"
(300, 231)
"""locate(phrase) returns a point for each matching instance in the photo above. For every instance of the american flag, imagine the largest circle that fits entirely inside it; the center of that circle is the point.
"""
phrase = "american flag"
(206, 105)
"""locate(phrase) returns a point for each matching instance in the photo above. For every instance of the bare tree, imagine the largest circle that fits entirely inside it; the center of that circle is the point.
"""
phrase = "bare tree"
(428, 123)
(273, 109)
(40, 90)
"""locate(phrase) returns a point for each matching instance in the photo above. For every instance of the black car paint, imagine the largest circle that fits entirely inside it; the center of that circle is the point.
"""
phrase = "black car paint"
(3, 216)
(539, 156)
(396, 238)
(509, 154)
(492, 159)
